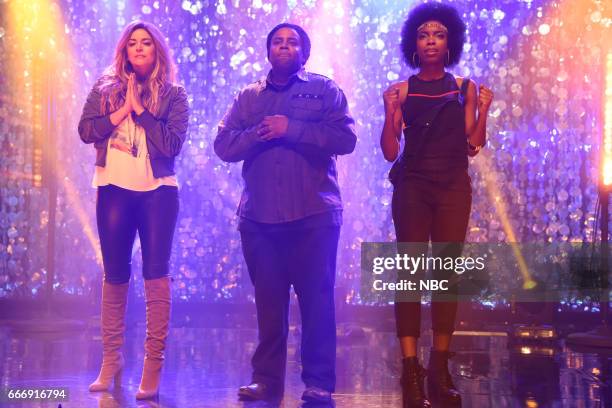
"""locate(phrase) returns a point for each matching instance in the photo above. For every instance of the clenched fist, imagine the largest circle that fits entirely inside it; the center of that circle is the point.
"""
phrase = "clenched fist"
(391, 98)
(485, 97)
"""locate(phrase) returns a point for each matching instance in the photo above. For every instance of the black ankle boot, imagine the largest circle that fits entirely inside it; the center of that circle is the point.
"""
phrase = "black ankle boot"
(440, 387)
(413, 393)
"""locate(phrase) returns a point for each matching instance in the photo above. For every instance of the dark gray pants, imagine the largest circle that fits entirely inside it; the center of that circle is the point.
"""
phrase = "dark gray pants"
(306, 259)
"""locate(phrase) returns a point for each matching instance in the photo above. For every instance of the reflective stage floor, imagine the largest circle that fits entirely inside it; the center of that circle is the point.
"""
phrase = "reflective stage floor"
(205, 366)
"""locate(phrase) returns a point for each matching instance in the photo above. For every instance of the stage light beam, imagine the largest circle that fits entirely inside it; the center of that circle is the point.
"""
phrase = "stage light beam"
(606, 174)
(39, 29)
(485, 167)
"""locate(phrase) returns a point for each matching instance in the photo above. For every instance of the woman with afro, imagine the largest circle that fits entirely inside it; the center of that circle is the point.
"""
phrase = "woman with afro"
(443, 119)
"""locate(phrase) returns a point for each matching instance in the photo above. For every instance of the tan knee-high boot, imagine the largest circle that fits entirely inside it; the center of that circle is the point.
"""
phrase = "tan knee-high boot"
(157, 292)
(114, 299)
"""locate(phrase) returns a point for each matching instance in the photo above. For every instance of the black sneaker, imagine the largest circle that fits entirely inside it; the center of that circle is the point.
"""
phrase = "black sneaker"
(258, 392)
(317, 395)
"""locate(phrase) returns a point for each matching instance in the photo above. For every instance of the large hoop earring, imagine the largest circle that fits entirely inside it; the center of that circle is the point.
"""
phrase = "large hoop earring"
(414, 54)
(447, 57)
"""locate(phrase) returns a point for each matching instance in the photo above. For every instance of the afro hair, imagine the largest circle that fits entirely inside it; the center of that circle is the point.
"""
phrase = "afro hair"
(443, 13)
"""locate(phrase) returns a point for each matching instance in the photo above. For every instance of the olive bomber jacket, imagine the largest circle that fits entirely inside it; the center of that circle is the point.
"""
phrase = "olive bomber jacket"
(165, 131)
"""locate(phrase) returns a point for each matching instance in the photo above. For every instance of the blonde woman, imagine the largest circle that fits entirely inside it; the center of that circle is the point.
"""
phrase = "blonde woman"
(136, 117)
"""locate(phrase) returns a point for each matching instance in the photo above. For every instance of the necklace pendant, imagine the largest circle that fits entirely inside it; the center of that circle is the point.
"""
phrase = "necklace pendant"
(134, 151)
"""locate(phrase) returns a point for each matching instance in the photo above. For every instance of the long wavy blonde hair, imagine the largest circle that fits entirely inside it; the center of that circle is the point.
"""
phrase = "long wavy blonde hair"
(113, 84)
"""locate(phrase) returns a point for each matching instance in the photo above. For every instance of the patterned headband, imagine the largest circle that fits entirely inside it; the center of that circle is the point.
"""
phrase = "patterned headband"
(434, 25)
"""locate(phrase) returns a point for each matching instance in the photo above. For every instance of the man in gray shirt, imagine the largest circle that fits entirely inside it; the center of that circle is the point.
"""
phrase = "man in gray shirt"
(288, 129)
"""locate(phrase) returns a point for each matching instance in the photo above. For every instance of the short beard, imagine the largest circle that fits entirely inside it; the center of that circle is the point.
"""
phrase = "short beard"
(287, 69)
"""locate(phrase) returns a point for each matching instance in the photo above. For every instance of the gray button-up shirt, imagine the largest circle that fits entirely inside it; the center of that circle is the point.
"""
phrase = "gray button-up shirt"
(293, 177)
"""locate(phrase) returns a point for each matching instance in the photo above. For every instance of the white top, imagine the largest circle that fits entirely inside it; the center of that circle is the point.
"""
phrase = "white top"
(127, 161)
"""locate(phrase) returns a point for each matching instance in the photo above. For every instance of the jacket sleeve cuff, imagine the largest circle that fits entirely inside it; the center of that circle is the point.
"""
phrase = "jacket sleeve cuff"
(103, 125)
(146, 120)
(295, 129)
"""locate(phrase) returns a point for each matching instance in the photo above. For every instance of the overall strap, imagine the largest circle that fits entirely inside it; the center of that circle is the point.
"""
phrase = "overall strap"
(463, 91)
(420, 128)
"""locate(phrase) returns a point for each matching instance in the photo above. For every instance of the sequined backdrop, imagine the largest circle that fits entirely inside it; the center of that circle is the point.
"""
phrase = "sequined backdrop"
(535, 182)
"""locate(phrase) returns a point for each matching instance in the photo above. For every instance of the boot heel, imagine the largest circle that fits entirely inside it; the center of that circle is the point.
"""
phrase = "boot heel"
(105, 379)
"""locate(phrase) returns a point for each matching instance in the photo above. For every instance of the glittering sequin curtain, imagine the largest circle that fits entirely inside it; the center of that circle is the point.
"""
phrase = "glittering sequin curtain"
(535, 181)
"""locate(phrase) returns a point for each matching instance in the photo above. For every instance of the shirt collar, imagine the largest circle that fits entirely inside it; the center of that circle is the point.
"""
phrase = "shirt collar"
(301, 75)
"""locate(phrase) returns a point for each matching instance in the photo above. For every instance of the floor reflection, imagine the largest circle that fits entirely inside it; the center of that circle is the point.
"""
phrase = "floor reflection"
(205, 366)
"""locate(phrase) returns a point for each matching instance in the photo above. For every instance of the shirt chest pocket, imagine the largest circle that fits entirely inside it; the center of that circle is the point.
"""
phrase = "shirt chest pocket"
(307, 107)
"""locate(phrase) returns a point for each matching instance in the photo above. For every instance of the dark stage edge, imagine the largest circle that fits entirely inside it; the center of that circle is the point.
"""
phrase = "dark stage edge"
(205, 366)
